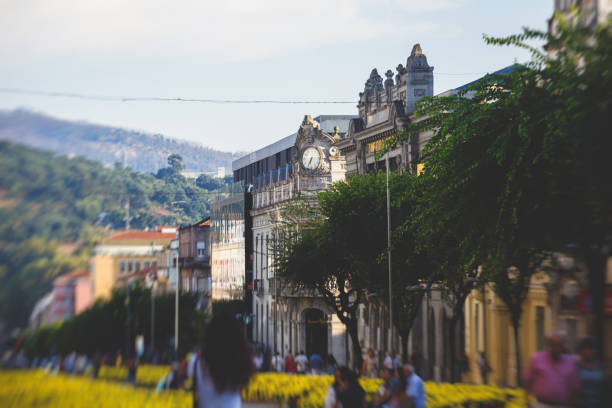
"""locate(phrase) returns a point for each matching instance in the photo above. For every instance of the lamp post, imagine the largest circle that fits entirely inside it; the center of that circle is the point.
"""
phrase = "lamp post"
(389, 250)
(176, 304)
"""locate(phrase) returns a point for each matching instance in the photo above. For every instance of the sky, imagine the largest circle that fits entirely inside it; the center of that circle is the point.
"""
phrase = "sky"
(315, 50)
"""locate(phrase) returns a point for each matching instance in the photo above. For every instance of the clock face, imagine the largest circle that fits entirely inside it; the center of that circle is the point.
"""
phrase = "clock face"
(311, 158)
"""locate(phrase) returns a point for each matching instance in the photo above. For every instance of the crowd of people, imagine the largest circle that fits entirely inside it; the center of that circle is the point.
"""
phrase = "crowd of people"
(561, 380)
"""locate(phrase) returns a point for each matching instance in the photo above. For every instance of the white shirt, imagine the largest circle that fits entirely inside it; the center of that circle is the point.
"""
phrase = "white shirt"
(301, 361)
(208, 397)
(388, 362)
(278, 362)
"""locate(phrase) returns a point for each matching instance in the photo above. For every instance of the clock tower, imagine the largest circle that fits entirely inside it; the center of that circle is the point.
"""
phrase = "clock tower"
(318, 162)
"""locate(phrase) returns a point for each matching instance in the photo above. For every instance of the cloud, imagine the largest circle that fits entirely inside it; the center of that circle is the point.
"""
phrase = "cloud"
(218, 30)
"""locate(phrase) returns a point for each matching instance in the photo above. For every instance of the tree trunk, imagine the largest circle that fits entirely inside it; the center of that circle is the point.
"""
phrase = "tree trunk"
(596, 263)
(517, 350)
(404, 337)
(357, 357)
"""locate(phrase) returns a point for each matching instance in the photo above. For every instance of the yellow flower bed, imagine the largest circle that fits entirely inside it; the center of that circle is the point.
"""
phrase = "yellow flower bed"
(29, 389)
(146, 375)
(38, 389)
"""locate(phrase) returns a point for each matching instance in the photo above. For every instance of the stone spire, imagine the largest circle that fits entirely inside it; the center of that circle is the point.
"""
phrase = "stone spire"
(419, 82)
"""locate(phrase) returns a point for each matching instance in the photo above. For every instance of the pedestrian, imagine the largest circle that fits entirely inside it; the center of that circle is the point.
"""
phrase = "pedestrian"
(415, 390)
(389, 390)
(331, 364)
(397, 361)
(258, 360)
(290, 366)
(389, 361)
(551, 376)
(591, 376)
(132, 366)
(416, 359)
(316, 363)
(331, 395)
(484, 367)
(369, 368)
(225, 366)
(350, 393)
(302, 363)
(278, 362)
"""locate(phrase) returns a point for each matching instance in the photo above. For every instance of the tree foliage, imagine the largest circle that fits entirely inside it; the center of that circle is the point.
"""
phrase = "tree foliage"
(53, 210)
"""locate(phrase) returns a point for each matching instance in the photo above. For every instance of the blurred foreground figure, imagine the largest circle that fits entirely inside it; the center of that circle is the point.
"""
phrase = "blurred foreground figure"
(225, 366)
(591, 375)
(551, 376)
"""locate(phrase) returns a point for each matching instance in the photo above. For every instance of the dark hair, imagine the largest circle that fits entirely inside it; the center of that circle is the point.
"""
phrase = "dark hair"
(349, 376)
(227, 353)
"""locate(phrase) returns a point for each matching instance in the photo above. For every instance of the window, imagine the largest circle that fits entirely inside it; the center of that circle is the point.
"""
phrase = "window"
(122, 267)
(147, 264)
(137, 266)
(130, 266)
(419, 92)
(200, 248)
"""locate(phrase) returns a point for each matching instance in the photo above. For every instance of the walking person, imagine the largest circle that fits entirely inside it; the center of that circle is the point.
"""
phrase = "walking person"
(552, 377)
(415, 390)
(290, 366)
(316, 363)
(369, 368)
(591, 376)
(225, 366)
(302, 363)
(278, 363)
(350, 394)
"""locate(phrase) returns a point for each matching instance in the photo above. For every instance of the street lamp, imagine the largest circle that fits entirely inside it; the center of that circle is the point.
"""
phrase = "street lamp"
(389, 249)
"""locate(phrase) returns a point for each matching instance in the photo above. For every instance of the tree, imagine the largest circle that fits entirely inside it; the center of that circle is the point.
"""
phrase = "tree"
(517, 167)
(175, 162)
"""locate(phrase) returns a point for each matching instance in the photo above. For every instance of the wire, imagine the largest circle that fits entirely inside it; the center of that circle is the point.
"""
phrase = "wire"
(106, 98)
(160, 99)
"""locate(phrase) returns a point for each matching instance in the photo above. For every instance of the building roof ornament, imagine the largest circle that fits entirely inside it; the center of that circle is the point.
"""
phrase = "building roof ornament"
(417, 61)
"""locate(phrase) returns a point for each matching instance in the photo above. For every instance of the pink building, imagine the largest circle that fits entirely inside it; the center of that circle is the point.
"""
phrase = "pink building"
(71, 295)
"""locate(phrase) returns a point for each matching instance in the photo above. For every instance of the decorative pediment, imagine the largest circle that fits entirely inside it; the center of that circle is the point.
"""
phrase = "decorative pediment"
(417, 61)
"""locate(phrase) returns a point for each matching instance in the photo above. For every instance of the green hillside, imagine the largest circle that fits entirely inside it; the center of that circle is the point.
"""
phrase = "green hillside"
(53, 209)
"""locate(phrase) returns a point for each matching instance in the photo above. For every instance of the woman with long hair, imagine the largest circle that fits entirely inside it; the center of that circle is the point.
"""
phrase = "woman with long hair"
(225, 366)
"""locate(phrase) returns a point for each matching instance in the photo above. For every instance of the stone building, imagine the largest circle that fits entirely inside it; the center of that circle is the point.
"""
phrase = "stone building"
(124, 253)
(384, 110)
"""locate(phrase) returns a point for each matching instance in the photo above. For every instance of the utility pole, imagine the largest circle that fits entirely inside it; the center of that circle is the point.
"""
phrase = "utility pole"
(128, 328)
(389, 252)
(127, 217)
(153, 315)
(176, 308)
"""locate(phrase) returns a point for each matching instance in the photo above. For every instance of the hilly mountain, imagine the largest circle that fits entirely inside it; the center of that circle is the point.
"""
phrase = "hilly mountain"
(54, 209)
(140, 151)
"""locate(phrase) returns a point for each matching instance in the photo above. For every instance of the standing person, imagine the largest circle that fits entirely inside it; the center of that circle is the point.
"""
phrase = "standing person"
(415, 390)
(302, 362)
(225, 366)
(290, 365)
(389, 361)
(331, 364)
(389, 391)
(258, 360)
(351, 394)
(551, 376)
(316, 363)
(369, 368)
(397, 362)
(277, 363)
(591, 376)
(416, 359)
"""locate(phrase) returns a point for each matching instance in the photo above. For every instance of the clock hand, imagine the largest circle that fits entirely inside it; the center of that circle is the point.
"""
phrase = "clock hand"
(310, 161)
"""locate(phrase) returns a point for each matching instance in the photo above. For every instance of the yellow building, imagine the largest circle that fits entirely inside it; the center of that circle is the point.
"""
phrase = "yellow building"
(488, 329)
(124, 253)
